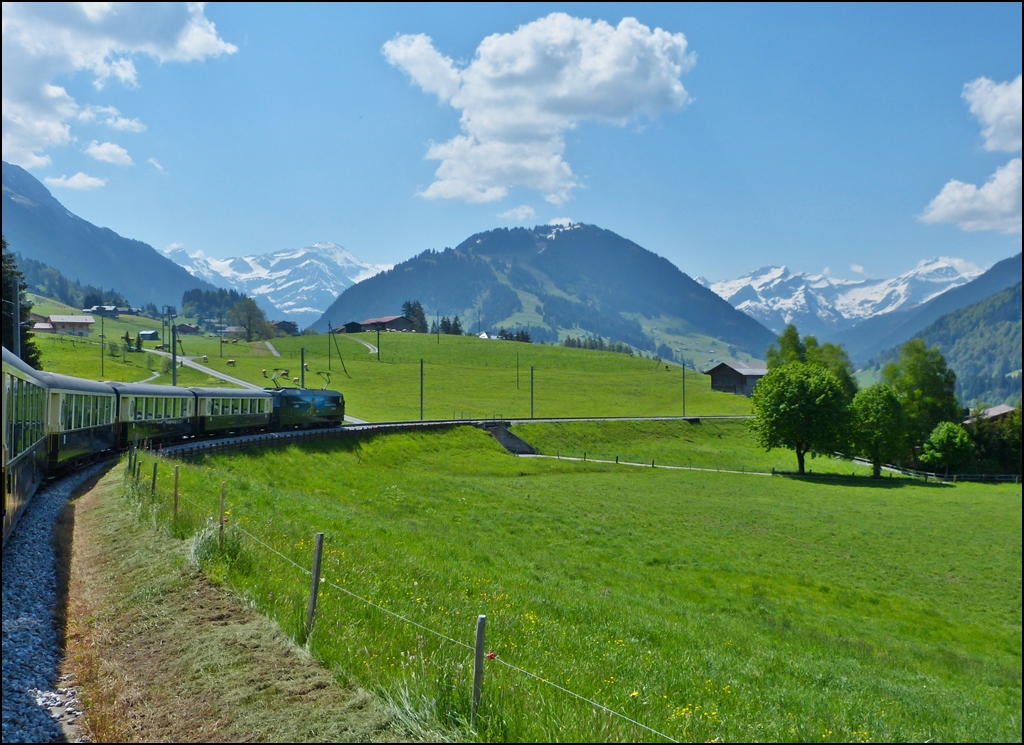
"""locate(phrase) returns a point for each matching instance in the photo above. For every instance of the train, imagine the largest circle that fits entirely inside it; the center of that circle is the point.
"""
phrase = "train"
(54, 423)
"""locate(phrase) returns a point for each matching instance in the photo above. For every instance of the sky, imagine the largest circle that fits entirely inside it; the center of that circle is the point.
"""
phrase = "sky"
(855, 140)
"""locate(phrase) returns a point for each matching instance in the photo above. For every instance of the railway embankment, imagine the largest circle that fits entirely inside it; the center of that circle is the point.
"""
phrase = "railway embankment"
(161, 653)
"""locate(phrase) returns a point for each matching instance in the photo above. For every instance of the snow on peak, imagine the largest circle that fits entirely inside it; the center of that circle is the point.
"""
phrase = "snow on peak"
(820, 304)
(298, 283)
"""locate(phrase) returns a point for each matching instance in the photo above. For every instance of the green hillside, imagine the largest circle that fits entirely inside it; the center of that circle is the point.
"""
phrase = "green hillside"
(561, 281)
(982, 344)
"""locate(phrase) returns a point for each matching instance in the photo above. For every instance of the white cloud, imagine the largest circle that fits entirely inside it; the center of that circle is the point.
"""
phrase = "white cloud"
(994, 206)
(858, 269)
(562, 222)
(156, 164)
(998, 107)
(111, 117)
(520, 213)
(997, 204)
(42, 41)
(109, 152)
(78, 181)
(524, 89)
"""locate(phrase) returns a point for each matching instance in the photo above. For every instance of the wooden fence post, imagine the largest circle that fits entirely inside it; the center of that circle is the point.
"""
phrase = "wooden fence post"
(152, 486)
(478, 666)
(176, 494)
(314, 586)
(223, 486)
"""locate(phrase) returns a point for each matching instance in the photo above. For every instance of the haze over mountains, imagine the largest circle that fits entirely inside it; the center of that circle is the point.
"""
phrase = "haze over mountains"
(38, 226)
(291, 284)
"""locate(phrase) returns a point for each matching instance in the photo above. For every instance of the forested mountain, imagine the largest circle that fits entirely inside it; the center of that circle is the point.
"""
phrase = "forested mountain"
(869, 338)
(39, 227)
(982, 344)
(554, 277)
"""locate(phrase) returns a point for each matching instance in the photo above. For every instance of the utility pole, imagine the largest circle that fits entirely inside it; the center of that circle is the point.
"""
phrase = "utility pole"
(329, 332)
(220, 334)
(302, 367)
(378, 342)
(421, 389)
(684, 388)
(531, 391)
(437, 325)
(174, 354)
(16, 336)
(102, 337)
(517, 371)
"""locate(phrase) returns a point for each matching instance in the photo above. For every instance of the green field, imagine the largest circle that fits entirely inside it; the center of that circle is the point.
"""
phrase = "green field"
(704, 605)
(725, 444)
(464, 377)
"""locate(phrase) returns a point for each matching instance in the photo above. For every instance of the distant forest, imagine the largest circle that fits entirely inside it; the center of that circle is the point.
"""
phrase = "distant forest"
(209, 304)
(46, 281)
(982, 344)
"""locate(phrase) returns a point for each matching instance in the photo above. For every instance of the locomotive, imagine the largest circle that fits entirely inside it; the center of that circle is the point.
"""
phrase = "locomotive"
(53, 422)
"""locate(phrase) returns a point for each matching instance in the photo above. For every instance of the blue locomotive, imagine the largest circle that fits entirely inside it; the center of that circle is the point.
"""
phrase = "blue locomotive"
(53, 422)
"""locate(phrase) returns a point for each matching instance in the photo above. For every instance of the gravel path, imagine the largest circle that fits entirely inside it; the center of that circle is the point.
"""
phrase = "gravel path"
(37, 705)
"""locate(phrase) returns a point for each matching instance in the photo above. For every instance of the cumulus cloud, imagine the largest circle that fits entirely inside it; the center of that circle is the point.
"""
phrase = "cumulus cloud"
(109, 152)
(997, 106)
(524, 89)
(996, 205)
(858, 269)
(78, 181)
(562, 222)
(42, 41)
(520, 213)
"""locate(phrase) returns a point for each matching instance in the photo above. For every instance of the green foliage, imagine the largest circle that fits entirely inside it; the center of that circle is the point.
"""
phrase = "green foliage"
(925, 387)
(877, 425)
(784, 609)
(997, 442)
(801, 407)
(209, 304)
(413, 310)
(598, 343)
(982, 344)
(500, 302)
(830, 356)
(14, 291)
(249, 316)
(948, 446)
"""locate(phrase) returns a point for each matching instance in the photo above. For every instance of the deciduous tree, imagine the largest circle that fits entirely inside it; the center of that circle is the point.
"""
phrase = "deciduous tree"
(925, 387)
(948, 446)
(801, 407)
(877, 425)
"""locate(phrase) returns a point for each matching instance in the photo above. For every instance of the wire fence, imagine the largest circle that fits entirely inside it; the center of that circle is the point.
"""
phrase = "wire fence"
(134, 471)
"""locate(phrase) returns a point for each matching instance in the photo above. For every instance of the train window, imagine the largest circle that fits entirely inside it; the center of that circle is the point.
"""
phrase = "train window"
(175, 407)
(216, 407)
(148, 407)
(245, 406)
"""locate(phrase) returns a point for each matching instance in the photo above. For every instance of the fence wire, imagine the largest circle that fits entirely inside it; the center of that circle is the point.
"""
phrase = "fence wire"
(438, 634)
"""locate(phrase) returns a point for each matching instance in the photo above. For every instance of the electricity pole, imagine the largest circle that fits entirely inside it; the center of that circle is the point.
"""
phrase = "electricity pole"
(421, 389)
(302, 367)
(174, 354)
(684, 388)
(102, 337)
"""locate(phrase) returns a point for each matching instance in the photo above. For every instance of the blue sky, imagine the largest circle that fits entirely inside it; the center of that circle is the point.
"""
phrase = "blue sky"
(811, 136)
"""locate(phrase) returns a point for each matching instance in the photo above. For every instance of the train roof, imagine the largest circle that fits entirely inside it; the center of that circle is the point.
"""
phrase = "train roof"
(230, 392)
(283, 391)
(148, 389)
(70, 383)
(20, 365)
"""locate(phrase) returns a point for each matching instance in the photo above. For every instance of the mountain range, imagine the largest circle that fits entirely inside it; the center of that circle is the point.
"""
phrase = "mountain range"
(568, 277)
(825, 306)
(290, 285)
(39, 227)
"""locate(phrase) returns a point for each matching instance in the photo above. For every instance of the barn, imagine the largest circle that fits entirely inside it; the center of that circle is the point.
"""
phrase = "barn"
(388, 323)
(736, 377)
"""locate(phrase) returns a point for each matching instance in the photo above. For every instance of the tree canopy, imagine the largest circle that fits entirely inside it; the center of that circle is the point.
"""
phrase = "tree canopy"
(832, 357)
(413, 310)
(877, 425)
(248, 315)
(802, 407)
(948, 446)
(14, 292)
(926, 388)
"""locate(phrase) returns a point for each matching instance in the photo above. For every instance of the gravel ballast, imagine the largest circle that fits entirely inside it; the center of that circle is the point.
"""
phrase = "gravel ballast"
(38, 706)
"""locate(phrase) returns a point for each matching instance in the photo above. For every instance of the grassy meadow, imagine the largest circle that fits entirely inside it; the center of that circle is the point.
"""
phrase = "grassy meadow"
(464, 377)
(704, 605)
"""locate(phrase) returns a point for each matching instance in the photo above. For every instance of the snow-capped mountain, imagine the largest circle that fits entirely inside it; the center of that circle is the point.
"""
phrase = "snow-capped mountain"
(822, 305)
(293, 284)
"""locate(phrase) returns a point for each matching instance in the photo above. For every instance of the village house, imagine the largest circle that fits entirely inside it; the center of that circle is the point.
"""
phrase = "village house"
(736, 377)
(71, 325)
(387, 323)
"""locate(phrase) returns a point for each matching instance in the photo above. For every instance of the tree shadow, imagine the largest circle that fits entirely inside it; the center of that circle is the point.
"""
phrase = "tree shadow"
(885, 482)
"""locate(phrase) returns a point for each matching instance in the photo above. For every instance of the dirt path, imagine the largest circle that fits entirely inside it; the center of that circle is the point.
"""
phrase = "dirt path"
(160, 654)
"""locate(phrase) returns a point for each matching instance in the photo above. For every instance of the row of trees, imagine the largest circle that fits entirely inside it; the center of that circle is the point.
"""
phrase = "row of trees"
(598, 343)
(809, 402)
(14, 288)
